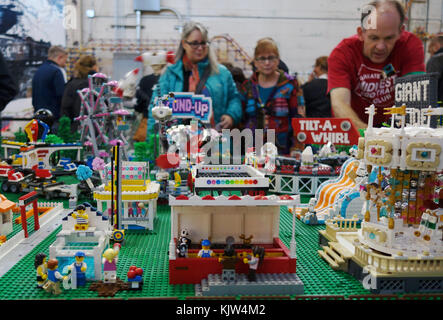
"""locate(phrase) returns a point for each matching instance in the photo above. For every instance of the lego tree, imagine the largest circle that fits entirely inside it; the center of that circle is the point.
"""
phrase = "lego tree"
(53, 139)
(65, 132)
(153, 146)
(20, 136)
(141, 151)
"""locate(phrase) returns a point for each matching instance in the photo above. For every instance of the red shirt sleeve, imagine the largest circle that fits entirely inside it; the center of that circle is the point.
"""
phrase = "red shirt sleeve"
(338, 70)
(413, 58)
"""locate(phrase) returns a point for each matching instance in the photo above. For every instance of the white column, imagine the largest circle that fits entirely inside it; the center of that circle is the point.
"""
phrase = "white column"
(172, 255)
(293, 244)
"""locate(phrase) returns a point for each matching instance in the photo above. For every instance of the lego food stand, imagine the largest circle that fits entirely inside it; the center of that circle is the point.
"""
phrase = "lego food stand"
(216, 219)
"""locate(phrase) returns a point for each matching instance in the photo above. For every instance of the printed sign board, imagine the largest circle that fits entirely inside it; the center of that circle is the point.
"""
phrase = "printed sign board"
(323, 130)
(187, 105)
(417, 91)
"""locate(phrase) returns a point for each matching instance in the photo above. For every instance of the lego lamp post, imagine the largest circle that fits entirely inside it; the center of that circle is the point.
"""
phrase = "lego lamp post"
(293, 244)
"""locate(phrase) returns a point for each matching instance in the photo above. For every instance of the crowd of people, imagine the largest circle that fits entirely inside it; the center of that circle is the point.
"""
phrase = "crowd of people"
(359, 71)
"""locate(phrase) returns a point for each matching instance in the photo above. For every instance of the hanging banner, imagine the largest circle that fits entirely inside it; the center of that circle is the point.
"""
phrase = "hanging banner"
(323, 130)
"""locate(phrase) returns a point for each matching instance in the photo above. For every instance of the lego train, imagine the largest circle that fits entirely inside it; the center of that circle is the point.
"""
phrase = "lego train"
(322, 166)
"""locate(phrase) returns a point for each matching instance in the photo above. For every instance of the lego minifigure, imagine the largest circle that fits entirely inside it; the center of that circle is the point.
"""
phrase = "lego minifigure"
(79, 268)
(182, 248)
(81, 218)
(254, 260)
(54, 277)
(183, 243)
(110, 264)
(205, 251)
(41, 266)
(311, 215)
(184, 237)
(229, 260)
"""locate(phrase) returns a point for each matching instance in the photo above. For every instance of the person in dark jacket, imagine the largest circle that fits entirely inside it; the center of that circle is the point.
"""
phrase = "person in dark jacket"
(8, 88)
(157, 62)
(317, 102)
(49, 81)
(435, 63)
(71, 102)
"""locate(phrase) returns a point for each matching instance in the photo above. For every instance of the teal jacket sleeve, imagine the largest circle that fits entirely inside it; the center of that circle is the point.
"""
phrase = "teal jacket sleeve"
(234, 108)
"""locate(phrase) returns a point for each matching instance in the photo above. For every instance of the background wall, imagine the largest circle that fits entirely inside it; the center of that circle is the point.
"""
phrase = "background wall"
(304, 30)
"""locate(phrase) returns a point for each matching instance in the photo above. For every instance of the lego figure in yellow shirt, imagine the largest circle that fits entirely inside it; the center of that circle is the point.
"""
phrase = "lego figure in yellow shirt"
(81, 218)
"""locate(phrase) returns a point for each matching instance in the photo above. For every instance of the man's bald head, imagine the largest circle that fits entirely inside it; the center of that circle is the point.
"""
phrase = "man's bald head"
(381, 26)
(374, 9)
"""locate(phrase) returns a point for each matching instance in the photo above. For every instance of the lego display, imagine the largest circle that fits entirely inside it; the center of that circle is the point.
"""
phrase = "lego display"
(226, 229)
(226, 219)
(138, 195)
(398, 247)
(91, 241)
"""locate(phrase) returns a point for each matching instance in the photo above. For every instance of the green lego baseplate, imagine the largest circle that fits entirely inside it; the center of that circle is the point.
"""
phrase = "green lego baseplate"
(149, 250)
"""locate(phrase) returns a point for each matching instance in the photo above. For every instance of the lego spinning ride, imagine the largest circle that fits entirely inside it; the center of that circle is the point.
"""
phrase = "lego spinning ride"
(401, 216)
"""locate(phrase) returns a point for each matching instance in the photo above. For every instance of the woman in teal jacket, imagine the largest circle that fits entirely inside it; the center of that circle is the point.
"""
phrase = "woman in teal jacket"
(193, 57)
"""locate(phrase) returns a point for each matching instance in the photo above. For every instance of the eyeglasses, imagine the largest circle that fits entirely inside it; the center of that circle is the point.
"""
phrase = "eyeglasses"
(263, 59)
(195, 45)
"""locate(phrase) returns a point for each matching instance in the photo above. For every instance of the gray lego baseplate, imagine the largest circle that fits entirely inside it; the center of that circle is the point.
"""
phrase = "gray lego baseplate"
(266, 284)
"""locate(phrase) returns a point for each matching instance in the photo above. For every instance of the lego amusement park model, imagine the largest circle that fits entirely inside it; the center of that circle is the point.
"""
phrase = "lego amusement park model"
(101, 217)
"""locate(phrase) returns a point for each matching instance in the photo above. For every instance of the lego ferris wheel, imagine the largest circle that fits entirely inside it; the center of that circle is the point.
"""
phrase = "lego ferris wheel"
(101, 113)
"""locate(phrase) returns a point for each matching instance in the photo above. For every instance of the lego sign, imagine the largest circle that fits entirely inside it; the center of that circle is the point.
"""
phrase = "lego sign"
(323, 130)
(186, 105)
(417, 91)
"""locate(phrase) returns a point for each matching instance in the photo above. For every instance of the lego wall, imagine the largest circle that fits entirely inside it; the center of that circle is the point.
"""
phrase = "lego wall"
(304, 30)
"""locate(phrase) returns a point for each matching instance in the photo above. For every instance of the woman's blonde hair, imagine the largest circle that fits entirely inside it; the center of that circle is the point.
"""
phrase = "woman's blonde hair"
(187, 30)
(83, 66)
(266, 45)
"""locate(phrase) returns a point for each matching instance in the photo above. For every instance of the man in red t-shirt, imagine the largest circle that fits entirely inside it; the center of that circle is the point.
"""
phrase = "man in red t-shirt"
(362, 68)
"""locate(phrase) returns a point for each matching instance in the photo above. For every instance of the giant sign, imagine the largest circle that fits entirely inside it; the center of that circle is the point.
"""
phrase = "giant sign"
(417, 91)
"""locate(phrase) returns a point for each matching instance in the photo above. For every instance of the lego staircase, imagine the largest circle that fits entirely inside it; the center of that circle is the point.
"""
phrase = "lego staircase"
(336, 255)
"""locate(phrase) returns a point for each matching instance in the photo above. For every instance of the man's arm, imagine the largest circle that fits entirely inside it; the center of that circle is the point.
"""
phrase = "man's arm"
(341, 107)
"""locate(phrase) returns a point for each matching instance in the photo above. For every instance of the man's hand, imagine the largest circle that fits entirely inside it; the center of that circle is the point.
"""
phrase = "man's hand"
(341, 107)
(226, 122)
